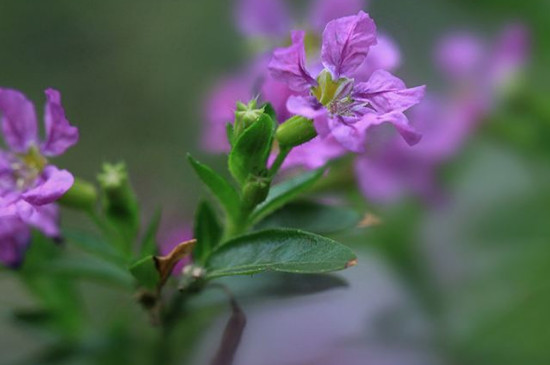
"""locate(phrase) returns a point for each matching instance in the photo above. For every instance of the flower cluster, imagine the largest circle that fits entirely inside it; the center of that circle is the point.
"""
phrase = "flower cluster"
(29, 184)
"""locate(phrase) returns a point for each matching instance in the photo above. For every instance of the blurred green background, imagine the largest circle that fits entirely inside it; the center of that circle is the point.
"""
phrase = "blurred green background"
(134, 74)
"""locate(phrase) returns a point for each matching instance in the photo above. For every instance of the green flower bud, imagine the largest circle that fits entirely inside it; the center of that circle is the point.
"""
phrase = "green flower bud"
(245, 115)
(82, 195)
(295, 131)
(255, 191)
(119, 201)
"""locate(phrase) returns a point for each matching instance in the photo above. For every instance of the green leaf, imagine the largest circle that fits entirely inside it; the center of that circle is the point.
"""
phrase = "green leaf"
(251, 150)
(269, 110)
(282, 250)
(282, 193)
(95, 246)
(208, 232)
(312, 216)
(145, 272)
(149, 243)
(220, 187)
(88, 268)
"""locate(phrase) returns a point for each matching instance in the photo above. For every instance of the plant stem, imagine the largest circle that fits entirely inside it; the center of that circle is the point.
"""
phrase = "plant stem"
(283, 153)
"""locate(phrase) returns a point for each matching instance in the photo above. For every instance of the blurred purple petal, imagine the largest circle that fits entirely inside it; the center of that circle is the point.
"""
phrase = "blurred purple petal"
(385, 55)
(14, 241)
(51, 186)
(277, 93)
(323, 11)
(288, 65)
(60, 134)
(460, 55)
(18, 120)
(511, 54)
(220, 110)
(346, 43)
(263, 18)
(306, 106)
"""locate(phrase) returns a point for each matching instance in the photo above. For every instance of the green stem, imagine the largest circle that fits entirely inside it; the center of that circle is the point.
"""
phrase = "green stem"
(283, 153)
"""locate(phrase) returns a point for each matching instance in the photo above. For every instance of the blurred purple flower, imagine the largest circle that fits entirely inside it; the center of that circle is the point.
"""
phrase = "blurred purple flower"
(477, 73)
(29, 185)
(341, 107)
(264, 18)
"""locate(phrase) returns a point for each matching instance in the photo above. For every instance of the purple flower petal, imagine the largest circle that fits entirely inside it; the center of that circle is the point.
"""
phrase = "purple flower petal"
(288, 65)
(267, 18)
(350, 136)
(60, 134)
(315, 153)
(276, 93)
(460, 55)
(387, 93)
(397, 119)
(306, 106)
(14, 241)
(346, 43)
(18, 120)
(323, 11)
(51, 186)
(46, 219)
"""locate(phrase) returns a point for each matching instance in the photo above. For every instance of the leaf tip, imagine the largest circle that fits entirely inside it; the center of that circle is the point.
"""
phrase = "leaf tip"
(351, 263)
(369, 220)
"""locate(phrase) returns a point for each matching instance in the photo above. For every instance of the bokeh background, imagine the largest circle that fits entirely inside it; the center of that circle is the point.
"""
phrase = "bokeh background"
(463, 283)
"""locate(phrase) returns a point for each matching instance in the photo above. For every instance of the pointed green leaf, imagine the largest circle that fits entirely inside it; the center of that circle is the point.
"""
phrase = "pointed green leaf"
(251, 150)
(269, 110)
(220, 187)
(282, 193)
(313, 217)
(145, 272)
(208, 232)
(282, 250)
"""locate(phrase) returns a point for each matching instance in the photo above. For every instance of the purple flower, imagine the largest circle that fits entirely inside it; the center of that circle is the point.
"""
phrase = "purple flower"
(29, 184)
(338, 104)
(269, 20)
(477, 73)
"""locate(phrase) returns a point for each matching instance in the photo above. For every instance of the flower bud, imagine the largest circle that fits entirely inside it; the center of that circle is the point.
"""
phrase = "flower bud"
(245, 115)
(82, 195)
(295, 131)
(255, 191)
(119, 201)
